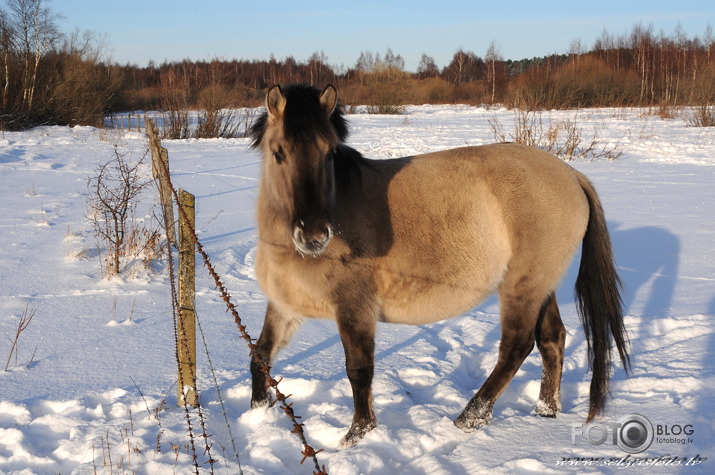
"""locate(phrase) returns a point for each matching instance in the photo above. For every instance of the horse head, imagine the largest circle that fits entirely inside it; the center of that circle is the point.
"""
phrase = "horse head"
(298, 135)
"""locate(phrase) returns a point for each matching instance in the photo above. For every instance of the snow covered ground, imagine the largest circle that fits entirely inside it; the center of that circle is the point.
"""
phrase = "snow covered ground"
(92, 387)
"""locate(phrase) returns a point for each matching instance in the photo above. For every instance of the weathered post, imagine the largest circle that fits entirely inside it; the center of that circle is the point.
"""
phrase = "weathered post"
(160, 170)
(186, 326)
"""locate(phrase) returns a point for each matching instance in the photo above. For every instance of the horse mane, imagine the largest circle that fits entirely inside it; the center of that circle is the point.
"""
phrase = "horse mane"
(304, 119)
(347, 164)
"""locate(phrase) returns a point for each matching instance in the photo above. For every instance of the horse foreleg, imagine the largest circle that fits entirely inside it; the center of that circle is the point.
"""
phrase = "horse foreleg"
(550, 339)
(518, 323)
(278, 328)
(357, 332)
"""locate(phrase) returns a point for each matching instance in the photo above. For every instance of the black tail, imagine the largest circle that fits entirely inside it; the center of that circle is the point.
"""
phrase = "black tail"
(599, 302)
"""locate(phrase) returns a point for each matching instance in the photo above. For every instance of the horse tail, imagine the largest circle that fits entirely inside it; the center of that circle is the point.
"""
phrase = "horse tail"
(599, 301)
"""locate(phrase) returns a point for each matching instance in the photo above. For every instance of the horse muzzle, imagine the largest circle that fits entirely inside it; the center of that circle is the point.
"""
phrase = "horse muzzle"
(313, 241)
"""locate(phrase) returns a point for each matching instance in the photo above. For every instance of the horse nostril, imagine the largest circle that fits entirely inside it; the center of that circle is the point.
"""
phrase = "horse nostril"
(315, 245)
(311, 242)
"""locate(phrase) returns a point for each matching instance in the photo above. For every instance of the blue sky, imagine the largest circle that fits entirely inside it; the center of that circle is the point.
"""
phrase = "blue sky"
(139, 31)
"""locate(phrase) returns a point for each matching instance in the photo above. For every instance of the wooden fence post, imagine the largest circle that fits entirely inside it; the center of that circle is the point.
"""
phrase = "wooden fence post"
(186, 313)
(160, 167)
(186, 326)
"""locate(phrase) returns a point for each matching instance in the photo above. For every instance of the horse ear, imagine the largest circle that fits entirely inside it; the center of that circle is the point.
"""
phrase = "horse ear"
(275, 102)
(329, 99)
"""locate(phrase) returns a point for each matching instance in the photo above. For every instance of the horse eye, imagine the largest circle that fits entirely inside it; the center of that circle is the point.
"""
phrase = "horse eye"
(279, 157)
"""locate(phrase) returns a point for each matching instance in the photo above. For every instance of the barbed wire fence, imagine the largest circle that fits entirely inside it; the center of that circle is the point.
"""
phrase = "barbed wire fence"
(162, 173)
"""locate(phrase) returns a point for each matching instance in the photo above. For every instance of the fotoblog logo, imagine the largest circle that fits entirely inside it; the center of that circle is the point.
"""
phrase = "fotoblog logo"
(632, 433)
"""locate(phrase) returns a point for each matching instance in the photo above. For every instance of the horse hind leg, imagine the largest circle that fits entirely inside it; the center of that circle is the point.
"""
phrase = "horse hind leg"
(519, 314)
(278, 328)
(550, 339)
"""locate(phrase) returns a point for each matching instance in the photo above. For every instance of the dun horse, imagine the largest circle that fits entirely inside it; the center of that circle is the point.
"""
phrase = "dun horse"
(419, 239)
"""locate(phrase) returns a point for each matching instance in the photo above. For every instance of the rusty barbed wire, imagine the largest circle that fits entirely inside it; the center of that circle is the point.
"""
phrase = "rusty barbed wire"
(174, 310)
(218, 393)
(280, 398)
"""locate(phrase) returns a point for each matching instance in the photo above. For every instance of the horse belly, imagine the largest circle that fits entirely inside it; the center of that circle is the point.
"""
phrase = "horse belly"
(437, 289)
(428, 307)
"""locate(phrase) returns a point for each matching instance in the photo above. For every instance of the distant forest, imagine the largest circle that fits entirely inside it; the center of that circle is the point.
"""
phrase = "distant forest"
(47, 77)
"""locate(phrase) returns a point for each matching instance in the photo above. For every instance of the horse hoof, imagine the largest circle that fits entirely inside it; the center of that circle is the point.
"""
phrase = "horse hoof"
(475, 415)
(262, 402)
(545, 409)
(350, 440)
(356, 433)
(469, 425)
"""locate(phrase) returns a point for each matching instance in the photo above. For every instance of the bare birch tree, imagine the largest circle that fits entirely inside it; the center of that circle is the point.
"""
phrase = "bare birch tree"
(36, 30)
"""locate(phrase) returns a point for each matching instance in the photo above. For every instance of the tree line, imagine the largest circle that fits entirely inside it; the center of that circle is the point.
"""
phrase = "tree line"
(639, 68)
(48, 77)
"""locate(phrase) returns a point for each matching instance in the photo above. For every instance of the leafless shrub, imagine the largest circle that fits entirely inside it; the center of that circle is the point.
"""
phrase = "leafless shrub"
(562, 138)
(215, 120)
(216, 123)
(386, 97)
(667, 111)
(22, 325)
(498, 131)
(702, 116)
(528, 127)
(114, 192)
(144, 246)
(224, 123)
(175, 124)
(175, 102)
(388, 109)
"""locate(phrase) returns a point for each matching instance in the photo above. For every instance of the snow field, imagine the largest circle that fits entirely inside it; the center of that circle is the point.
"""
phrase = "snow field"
(95, 371)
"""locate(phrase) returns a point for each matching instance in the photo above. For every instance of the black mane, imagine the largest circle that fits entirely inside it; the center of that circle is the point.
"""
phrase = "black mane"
(304, 118)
